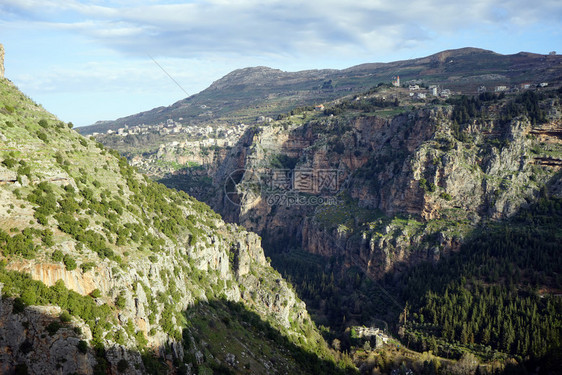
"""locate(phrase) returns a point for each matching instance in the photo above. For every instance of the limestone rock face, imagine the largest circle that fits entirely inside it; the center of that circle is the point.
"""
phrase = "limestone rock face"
(411, 164)
(25, 342)
(234, 264)
(162, 256)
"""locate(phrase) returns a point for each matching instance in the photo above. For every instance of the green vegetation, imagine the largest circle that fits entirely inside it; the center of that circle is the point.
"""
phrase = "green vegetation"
(346, 212)
(495, 291)
(283, 161)
(365, 105)
(333, 295)
(492, 298)
(34, 292)
(427, 187)
(478, 108)
(83, 206)
(239, 330)
(19, 244)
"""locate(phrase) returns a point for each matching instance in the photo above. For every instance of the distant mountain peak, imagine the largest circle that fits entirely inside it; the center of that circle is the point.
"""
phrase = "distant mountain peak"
(461, 52)
(244, 94)
(245, 76)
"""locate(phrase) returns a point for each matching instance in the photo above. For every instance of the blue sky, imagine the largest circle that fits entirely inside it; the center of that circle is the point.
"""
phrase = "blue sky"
(86, 61)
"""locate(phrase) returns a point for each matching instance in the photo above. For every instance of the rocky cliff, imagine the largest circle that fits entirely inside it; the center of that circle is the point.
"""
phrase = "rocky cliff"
(103, 270)
(408, 183)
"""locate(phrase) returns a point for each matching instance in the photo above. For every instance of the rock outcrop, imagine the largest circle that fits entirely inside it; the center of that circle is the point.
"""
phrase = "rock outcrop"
(411, 165)
(25, 343)
(79, 227)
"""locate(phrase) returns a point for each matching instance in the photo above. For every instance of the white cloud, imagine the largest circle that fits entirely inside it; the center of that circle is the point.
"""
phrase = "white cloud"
(294, 27)
(102, 46)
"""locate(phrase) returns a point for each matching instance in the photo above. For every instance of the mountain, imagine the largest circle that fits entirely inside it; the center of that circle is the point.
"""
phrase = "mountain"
(429, 213)
(422, 216)
(245, 94)
(103, 271)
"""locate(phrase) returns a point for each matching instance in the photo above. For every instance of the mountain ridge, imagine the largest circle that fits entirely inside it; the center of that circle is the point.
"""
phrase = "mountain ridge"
(247, 93)
(105, 271)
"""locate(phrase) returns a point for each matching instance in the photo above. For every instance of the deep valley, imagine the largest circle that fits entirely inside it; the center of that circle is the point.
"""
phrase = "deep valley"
(353, 222)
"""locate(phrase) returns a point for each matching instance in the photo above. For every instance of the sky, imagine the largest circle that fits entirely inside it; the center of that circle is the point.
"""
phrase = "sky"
(95, 60)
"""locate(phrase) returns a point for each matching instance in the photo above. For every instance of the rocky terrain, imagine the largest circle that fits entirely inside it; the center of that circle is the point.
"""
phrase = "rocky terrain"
(408, 186)
(245, 94)
(365, 194)
(438, 188)
(104, 271)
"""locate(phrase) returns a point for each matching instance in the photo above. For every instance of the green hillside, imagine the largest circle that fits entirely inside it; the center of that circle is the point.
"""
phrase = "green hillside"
(104, 271)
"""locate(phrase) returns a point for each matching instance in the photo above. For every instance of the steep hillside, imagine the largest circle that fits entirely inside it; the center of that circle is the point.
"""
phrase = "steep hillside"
(464, 161)
(104, 271)
(246, 94)
(379, 185)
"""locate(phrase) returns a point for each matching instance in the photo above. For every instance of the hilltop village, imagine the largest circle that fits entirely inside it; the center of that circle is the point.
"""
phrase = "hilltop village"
(172, 127)
(414, 89)
(173, 145)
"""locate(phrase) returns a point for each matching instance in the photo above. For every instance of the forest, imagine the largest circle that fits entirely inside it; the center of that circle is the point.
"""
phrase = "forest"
(498, 294)
(495, 298)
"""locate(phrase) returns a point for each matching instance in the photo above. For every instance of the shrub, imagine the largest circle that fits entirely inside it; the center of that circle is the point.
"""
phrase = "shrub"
(87, 266)
(446, 196)
(29, 297)
(122, 365)
(41, 218)
(82, 346)
(26, 347)
(427, 187)
(57, 256)
(21, 369)
(42, 136)
(43, 123)
(120, 302)
(19, 306)
(53, 327)
(9, 162)
(141, 339)
(69, 262)
(24, 170)
(65, 317)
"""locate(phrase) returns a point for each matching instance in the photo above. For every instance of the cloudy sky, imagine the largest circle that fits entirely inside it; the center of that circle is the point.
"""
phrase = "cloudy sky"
(100, 60)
